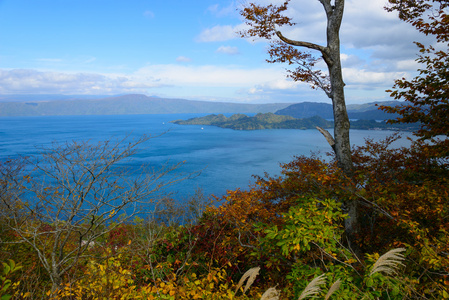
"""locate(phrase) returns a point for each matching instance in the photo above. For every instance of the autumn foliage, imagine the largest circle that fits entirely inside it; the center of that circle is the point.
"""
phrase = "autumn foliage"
(426, 96)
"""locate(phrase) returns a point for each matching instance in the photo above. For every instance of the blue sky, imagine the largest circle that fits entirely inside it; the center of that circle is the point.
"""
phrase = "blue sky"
(188, 49)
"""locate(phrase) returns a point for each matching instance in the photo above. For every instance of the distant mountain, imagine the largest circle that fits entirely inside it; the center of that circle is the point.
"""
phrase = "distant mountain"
(259, 121)
(47, 105)
(368, 111)
(127, 104)
(307, 110)
(45, 97)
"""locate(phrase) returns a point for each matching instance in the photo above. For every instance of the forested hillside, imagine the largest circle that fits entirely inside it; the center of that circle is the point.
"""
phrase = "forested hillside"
(258, 122)
(272, 121)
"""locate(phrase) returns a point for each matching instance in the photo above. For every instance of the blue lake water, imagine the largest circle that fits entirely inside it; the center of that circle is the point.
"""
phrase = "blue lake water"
(226, 157)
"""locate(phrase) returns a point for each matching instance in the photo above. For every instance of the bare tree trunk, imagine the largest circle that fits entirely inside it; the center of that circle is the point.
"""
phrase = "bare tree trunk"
(341, 121)
(337, 94)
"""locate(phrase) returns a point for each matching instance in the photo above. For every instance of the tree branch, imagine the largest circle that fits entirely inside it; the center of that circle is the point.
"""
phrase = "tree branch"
(327, 6)
(328, 137)
(309, 45)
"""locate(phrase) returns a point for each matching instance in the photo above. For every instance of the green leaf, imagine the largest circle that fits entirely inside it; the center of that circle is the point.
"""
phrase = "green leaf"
(6, 268)
(12, 264)
(6, 285)
(369, 282)
(395, 290)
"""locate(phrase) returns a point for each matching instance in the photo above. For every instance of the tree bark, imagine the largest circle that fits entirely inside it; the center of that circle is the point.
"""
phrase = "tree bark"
(342, 146)
(341, 121)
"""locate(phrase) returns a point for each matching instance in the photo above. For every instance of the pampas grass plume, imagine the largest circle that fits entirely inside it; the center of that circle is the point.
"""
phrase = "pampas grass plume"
(313, 287)
(333, 289)
(389, 262)
(270, 294)
(251, 275)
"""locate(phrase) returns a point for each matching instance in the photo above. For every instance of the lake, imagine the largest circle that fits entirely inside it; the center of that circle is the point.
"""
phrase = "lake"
(226, 157)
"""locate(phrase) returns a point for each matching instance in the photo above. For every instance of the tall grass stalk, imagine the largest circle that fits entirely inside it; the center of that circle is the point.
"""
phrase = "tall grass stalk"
(335, 286)
(389, 262)
(270, 294)
(313, 287)
(251, 275)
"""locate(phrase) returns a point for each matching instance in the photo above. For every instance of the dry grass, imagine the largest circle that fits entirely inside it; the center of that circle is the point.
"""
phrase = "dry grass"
(251, 276)
(389, 262)
(335, 286)
(270, 294)
(313, 287)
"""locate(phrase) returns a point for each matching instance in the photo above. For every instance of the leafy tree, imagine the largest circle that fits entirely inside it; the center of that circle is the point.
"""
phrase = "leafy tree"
(265, 22)
(427, 94)
(63, 200)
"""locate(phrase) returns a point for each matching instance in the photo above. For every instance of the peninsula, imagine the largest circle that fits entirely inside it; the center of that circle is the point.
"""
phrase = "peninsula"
(273, 121)
(259, 121)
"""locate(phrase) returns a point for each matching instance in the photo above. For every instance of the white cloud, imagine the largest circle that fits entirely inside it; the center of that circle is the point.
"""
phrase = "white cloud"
(350, 60)
(217, 34)
(264, 84)
(183, 59)
(213, 8)
(148, 14)
(50, 60)
(219, 11)
(228, 50)
(220, 33)
(366, 79)
(283, 90)
(282, 84)
(22, 81)
(407, 65)
(89, 60)
(209, 75)
(228, 79)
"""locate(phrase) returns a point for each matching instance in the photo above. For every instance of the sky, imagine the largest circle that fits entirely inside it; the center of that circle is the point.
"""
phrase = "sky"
(190, 50)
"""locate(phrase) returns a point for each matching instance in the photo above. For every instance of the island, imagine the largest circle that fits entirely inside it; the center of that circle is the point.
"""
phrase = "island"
(272, 121)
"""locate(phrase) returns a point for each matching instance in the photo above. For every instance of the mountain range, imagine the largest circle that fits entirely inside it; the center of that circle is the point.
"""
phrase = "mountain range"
(41, 105)
(368, 111)
(127, 104)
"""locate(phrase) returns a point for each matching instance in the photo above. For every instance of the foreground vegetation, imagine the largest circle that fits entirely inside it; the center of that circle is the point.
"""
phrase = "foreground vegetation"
(288, 231)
